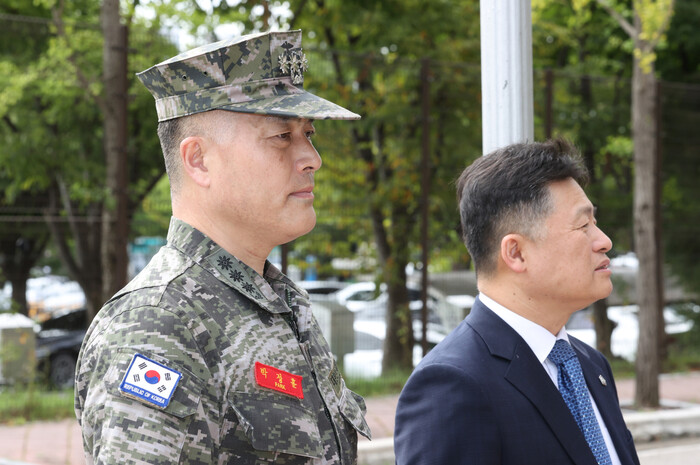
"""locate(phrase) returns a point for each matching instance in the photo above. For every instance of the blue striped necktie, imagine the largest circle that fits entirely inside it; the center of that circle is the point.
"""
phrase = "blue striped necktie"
(575, 393)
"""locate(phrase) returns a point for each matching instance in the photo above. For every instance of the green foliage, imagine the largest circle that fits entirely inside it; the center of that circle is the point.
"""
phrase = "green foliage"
(18, 406)
(621, 368)
(580, 36)
(684, 348)
(51, 124)
(680, 213)
(388, 384)
(384, 86)
(152, 218)
(679, 60)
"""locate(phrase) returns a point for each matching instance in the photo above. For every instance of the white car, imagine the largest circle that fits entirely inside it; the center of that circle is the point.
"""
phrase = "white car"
(624, 337)
(366, 360)
(363, 299)
(322, 289)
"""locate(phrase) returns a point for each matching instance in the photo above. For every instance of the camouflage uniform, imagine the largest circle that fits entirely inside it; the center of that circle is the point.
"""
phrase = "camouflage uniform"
(198, 310)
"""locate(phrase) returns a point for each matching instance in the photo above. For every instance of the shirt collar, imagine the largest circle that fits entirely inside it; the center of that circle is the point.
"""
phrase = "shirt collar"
(540, 341)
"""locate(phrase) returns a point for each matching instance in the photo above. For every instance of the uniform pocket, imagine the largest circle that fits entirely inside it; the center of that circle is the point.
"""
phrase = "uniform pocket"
(352, 408)
(272, 424)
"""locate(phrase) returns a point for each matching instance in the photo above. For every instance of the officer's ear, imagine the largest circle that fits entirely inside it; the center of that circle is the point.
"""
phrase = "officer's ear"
(192, 155)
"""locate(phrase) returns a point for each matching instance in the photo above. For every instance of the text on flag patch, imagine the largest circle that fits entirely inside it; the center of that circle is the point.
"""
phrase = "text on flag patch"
(149, 381)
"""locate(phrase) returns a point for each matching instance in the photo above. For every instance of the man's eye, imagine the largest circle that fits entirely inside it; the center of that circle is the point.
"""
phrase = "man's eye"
(284, 136)
(310, 134)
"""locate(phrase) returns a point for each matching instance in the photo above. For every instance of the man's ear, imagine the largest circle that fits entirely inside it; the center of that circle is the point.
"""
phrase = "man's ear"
(512, 252)
(192, 151)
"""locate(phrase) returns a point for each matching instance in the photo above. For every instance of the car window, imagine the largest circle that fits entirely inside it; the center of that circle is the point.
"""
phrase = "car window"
(71, 321)
(322, 290)
(363, 296)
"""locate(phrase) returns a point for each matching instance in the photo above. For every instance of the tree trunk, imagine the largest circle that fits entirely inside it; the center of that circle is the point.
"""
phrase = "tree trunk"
(19, 254)
(661, 303)
(399, 341)
(603, 327)
(115, 223)
(646, 232)
(83, 260)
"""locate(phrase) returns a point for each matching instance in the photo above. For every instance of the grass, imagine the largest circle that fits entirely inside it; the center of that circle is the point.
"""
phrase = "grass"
(387, 384)
(684, 352)
(18, 406)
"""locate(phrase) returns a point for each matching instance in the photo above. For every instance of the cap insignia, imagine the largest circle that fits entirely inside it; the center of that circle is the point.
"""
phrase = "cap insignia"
(294, 63)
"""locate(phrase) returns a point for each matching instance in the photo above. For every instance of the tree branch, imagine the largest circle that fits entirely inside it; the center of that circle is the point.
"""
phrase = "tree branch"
(664, 26)
(65, 200)
(12, 125)
(136, 201)
(624, 24)
(296, 13)
(60, 239)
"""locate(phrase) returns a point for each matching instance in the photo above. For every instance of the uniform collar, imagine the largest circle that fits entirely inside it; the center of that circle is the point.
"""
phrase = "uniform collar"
(266, 291)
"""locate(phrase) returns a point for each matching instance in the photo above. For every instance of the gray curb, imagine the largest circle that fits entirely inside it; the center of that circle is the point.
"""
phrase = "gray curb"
(679, 421)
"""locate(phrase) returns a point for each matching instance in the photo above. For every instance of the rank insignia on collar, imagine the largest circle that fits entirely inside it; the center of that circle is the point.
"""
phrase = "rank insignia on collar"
(149, 381)
(278, 380)
(602, 380)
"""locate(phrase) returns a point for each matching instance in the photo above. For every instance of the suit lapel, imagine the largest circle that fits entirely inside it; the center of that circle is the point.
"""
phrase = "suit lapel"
(528, 376)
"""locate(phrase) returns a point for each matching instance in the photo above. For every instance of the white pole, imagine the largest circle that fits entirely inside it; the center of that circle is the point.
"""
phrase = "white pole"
(506, 73)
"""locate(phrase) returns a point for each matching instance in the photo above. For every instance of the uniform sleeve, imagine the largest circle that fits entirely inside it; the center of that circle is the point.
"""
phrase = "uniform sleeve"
(443, 416)
(121, 427)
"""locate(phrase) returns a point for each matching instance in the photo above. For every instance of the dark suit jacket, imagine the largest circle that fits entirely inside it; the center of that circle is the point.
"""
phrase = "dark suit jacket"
(482, 397)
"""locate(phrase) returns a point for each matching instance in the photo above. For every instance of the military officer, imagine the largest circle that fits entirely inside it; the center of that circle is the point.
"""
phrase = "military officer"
(211, 354)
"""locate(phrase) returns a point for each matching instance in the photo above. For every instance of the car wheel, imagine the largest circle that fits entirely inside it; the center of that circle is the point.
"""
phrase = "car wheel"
(63, 370)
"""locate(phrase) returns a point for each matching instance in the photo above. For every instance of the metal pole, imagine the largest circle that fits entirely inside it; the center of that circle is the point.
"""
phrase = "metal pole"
(506, 73)
(425, 196)
(549, 99)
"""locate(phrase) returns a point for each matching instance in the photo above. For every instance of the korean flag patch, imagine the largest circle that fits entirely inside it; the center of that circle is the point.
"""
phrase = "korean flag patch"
(149, 381)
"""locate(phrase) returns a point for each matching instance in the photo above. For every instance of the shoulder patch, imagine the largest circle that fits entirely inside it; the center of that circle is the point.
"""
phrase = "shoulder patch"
(149, 381)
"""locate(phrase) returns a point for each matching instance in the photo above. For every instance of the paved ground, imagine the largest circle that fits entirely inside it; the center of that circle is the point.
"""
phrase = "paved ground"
(49, 443)
(677, 452)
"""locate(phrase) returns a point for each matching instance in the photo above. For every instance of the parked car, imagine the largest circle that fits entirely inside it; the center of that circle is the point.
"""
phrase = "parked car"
(366, 302)
(623, 341)
(322, 289)
(366, 360)
(58, 341)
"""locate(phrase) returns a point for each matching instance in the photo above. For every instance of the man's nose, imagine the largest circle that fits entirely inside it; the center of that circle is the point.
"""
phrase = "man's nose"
(603, 242)
(309, 159)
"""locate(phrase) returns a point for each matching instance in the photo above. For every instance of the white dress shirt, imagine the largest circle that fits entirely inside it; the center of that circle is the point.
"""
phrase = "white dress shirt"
(541, 341)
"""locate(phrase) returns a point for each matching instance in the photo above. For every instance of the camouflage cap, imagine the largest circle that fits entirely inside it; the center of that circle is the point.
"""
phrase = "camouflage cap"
(257, 73)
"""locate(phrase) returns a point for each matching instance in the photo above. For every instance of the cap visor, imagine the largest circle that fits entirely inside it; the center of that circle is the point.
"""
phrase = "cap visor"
(301, 105)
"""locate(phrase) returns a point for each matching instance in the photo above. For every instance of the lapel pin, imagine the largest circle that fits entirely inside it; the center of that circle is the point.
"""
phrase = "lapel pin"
(602, 380)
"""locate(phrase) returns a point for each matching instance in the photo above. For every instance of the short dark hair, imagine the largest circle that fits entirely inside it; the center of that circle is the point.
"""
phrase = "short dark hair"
(170, 133)
(507, 192)
(173, 131)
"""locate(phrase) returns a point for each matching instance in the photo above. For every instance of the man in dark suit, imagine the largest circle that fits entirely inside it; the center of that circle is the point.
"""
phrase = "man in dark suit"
(497, 390)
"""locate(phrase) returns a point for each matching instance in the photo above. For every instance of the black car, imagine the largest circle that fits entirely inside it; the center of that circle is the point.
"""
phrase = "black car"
(58, 342)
